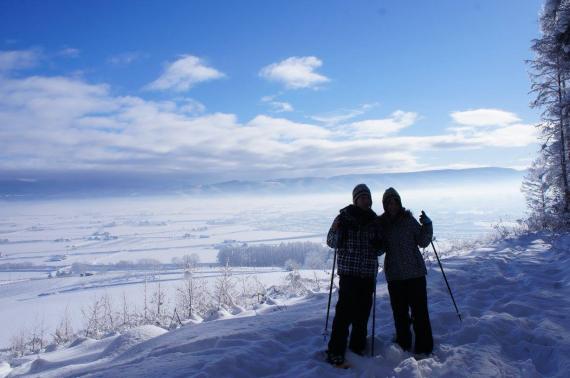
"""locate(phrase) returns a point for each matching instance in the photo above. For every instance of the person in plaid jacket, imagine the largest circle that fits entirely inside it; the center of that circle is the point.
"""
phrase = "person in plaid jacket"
(356, 237)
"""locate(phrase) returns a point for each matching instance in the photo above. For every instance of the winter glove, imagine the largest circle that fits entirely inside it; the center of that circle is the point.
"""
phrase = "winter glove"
(336, 224)
(424, 219)
(338, 229)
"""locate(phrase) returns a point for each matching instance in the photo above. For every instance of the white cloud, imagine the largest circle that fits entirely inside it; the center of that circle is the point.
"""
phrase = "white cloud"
(277, 106)
(281, 106)
(376, 128)
(518, 135)
(66, 123)
(342, 115)
(18, 60)
(183, 74)
(500, 128)
(281, 128)
(484, 117)
(295, 72)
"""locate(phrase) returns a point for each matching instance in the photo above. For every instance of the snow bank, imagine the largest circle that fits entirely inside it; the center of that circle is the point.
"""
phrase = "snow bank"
(131, 338)
(4, 369)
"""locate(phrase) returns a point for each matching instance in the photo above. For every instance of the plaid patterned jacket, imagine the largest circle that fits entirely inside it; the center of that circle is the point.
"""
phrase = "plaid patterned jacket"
(357, 241)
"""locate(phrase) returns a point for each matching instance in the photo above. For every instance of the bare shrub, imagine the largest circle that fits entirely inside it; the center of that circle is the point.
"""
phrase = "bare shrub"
(64, 330)
(225, 288)
(18, 343)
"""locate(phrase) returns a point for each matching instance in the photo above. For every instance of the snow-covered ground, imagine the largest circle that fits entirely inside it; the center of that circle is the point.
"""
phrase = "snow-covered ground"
(125, 244)
(127, 241)
(514, 296)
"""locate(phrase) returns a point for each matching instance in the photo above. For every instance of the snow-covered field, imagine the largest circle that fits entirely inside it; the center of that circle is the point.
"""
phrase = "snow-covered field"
(123, 243)
(514, 296)
(126, 243)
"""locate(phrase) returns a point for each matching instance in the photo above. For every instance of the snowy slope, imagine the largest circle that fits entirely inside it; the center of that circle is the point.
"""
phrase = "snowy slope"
(514, 297)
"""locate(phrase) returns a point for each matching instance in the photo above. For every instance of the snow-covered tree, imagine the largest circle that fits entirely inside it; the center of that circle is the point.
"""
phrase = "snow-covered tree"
(191, 261)
(536, 189)
(64, 331)
(225, 288)
(550, 74)
(38, 340)
(158, 310)
(99, 317)
(127, 318)
(191, 296)
(18, 343)
(269, 255)
(92, 317)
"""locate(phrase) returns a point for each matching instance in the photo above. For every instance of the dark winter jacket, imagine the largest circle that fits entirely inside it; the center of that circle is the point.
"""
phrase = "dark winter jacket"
(401, 238)
(357, 241)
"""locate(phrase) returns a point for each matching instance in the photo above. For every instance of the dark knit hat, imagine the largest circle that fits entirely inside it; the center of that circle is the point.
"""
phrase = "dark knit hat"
(359, 190)
(391, 193)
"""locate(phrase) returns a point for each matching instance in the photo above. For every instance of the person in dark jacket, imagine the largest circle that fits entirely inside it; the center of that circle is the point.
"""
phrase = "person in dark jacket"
(355, 235)
(405, 271)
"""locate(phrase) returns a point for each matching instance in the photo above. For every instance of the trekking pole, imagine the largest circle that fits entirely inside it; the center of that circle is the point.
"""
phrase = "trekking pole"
(326, 332)
(447, 283)
(373, 320)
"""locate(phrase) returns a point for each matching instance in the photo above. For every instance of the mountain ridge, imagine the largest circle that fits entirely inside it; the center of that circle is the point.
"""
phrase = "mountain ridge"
(26, 186)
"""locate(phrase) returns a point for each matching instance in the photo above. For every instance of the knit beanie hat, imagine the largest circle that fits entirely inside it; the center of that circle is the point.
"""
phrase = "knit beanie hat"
(359, 190)
(391, 193)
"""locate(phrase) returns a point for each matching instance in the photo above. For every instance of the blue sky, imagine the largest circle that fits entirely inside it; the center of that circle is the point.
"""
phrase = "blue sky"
(261, 89)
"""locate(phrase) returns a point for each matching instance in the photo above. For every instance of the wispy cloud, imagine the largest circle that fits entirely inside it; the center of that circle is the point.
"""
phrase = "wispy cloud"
(277, 106)
(484, 117)
(342, 115)
(125, 58)
(281, 106)
(183, 74)
(69, 52)
(376, 128)
(295, 72)
(15, 60)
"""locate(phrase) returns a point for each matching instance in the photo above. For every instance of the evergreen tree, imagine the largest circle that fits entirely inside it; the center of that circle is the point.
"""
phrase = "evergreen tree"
(551, 70)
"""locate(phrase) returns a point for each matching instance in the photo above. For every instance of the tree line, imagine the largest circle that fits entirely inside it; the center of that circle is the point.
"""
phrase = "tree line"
(308, 254)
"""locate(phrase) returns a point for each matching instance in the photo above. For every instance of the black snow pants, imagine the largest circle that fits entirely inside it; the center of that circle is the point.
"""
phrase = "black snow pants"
(406, 295)
(353, 308)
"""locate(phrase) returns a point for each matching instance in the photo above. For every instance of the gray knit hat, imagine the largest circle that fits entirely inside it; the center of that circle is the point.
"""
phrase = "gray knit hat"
(359, 190)
(391, 193)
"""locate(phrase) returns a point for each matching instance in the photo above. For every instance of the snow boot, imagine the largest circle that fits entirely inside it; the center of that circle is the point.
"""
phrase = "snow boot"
(337, 360)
